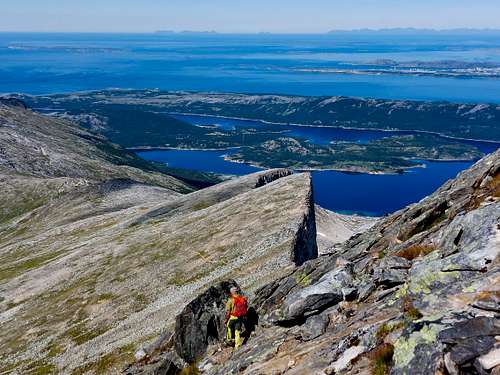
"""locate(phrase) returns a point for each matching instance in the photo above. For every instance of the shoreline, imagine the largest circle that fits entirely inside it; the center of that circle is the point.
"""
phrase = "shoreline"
(166, 148)
(380, 72)
(342, 170)
(332, 127)
(262, 167)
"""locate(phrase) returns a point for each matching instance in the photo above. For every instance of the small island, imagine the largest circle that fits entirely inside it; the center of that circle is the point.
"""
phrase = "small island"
(388, 155)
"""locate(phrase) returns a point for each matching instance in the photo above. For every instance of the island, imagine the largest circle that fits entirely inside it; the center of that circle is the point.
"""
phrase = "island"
(412, 130)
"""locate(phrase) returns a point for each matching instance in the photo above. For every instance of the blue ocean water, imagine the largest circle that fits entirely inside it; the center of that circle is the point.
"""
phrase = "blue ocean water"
(315, 134)
(47, 63)
(373, 195)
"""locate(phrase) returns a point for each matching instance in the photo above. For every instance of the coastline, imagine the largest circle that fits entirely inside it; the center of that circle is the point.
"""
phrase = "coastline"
(333, 127)
(342, 170)
(166, 148)
(380, 72)
(389, 172)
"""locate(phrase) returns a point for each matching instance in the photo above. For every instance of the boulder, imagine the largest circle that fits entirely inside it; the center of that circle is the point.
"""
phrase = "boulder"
(471, 349)
(490, 359)
(327, 291)
(314, 327)
(201, 322)
(465, 330)
(166, 364)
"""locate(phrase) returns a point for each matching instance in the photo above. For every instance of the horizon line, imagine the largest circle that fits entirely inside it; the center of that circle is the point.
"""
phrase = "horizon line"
(214, 32)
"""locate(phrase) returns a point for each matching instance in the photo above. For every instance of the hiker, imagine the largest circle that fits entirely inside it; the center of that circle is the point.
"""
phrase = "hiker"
(236, 312)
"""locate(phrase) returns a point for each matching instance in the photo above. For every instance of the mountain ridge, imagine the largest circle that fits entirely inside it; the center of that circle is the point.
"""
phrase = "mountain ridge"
(99, 259)
(417, 293)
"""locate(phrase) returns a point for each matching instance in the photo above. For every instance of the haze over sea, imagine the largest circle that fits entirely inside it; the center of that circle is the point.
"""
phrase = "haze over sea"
(41, 63)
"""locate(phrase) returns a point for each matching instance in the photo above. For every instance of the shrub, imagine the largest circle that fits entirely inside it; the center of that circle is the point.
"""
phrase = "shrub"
(192, 369)
(415, 251)
(381, 359)
(386, 328)
(409, 311)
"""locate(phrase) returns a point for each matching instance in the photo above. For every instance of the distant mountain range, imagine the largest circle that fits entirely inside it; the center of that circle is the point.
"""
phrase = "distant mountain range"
(391, 31)
(411, 30)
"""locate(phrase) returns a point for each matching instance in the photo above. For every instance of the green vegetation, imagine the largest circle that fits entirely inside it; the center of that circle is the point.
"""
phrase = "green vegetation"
(303, 279)
(41, 368)
(12, 270)
(381, 359)
(80, 334)
(266, 145)
(54, 349)
(409, 311)
(386, 328)
(201, 206)
(109, 362)
(391, 154)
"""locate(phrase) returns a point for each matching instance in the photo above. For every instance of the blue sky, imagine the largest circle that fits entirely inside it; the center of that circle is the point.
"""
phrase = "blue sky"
(306, 16)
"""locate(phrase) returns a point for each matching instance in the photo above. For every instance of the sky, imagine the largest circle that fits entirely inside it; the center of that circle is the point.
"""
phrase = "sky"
(245, 16)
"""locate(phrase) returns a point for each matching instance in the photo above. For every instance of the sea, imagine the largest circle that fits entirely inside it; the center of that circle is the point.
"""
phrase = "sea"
(47, 63)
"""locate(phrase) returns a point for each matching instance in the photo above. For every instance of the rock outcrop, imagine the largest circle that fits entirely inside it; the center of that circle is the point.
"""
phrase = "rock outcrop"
(201, 323)
(97, 257)
(104, 263)
(415, 294)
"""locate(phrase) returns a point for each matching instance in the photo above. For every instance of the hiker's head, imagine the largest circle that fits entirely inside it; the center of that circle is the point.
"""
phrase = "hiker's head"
(234, 291)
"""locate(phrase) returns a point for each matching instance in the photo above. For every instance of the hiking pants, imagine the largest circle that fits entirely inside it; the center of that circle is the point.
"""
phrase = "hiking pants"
(234, 326)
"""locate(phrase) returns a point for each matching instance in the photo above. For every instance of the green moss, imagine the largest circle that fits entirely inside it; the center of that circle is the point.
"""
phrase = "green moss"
(11, 210)
(109, 362)
(201, 206)
(423, 282)
(383, 253)
(8, 368)
(105, 297)
(413, 314)
(54, 350)
(140, 301)
(178, 278)
(402, 292)
(40, 368)
(469, 289)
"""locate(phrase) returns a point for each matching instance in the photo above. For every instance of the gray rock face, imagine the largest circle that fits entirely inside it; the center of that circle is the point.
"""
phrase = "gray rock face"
(314, 327)
(391, 271)
(201, 323)
(109, 254)
(41, 147)
(328, 291)
(418, 292)
(97, 259)
(165, 364)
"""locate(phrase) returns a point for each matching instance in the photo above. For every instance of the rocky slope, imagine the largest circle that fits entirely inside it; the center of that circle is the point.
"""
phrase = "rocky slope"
(418, 293)
(97, 256)
(101, 260)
